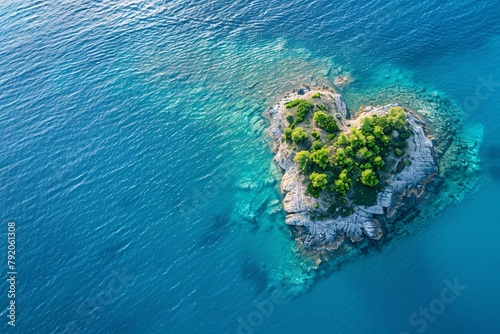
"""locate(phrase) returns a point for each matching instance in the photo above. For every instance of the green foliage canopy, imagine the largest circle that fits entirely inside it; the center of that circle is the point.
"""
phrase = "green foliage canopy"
(302, 158)
(369, 178)
(325, 122)
(321, 157)
(299, 135)
(318, 180)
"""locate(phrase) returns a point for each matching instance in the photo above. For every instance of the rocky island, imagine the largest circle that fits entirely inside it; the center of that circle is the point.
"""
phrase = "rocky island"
(348, 180)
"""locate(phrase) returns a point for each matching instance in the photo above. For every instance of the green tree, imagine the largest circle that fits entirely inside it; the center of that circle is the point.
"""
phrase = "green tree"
(366, 125)
(325, 122)
(321, 157)
(396, 118)
(378, 131)
(378, 162)
(299, 135)
(302, 158)
(369, 178)
(364, 153)
(317, 145)
(318, 180)
(349, 152)
(343, 183)
(348, 164)
(342, 141)
(315, 135)
(366, 166)
(357, 138)
(340, 154)
(380, 121)
(288, 133)
(370, 141)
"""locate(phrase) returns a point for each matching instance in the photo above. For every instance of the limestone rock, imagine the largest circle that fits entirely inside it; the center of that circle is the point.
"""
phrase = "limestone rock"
(371, 228)
(402, 192)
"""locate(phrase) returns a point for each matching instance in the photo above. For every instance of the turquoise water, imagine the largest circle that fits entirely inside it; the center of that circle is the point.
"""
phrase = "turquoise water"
(132, 140)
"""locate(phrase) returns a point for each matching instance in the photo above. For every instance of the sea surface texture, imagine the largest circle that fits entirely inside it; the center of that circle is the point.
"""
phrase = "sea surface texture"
(135, 163)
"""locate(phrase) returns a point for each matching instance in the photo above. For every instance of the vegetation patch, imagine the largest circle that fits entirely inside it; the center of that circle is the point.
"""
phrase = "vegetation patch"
(354, 163)
(302, 108)
(325, 122)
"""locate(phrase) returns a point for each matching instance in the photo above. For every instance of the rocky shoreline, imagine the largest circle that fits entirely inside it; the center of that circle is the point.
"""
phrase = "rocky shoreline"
(404, 190)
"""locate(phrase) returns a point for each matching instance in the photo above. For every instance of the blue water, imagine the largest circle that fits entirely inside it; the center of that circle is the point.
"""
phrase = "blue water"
(133, 147)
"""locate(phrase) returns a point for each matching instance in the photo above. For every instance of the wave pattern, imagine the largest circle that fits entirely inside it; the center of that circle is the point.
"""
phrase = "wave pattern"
(133, 147)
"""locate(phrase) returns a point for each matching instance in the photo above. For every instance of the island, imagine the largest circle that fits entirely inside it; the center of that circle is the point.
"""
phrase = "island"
(348, 178)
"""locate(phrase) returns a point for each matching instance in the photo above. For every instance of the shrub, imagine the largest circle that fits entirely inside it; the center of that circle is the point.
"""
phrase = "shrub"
(380, 121)
(378, 162)
(331, 136)
(366, 125)
(340, 154)
(325, 122)
(364, 153)
(318, 180)
(302, 158)
(342, 141)
(370, 141)
(316, 96)
(303, 107)
(289, 118)
(366, 166)
(399, 152)
(321, 157)
(322, 107)
(357, 139)
(378, 131)
(313, 191)
(369, 178)
(288, 133)
(349, 152)
(299, 135)
(317, 145)
(294, 103)
(342, 161)
(343, 183)
(385, 140)
(315, 135)
(396, 118)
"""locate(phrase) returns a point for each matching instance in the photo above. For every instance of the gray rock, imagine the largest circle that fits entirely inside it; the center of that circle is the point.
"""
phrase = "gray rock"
(371, 228)
(401, 194)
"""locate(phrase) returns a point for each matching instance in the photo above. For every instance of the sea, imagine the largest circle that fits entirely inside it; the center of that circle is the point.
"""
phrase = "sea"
(136, 166)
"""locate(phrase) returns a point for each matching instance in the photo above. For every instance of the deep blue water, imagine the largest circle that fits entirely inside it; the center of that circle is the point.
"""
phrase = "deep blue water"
(132, 140)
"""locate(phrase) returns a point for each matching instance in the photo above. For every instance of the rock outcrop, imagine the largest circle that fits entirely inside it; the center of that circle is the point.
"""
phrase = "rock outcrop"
(403, 190)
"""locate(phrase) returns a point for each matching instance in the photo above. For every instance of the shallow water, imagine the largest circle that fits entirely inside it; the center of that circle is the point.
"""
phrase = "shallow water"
(133, 140)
